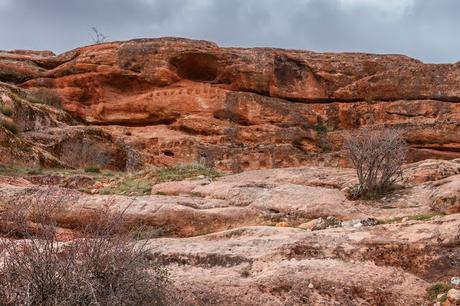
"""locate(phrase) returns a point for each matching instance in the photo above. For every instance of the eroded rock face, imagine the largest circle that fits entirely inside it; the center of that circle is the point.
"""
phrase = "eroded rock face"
(246, 108)
(35, 134)
(285, 236)
(446, 196)
(283, 266)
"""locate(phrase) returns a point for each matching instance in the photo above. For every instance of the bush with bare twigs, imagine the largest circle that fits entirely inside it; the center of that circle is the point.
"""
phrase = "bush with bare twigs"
(378, 156)
(101, 266)
(44, 95)
(98, 37)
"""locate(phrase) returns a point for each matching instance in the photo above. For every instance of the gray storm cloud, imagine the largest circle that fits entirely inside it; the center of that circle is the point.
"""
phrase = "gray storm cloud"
(424, 29)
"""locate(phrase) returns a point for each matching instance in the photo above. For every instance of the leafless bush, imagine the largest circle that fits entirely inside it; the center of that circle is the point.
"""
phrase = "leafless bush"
(10, 125)
(23, 218)
(98, 37)
(102, 266)
(378, 156)
(44, 96)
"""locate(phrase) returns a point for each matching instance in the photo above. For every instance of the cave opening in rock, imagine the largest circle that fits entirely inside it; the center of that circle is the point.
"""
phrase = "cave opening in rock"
(196, 67)
(168, 153)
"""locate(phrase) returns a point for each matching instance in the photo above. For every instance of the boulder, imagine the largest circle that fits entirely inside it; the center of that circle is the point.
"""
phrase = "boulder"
(446, 197)
(453, 296)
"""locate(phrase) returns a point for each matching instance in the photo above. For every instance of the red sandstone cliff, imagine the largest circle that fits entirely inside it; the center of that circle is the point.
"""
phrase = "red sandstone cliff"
(276, 236)
(177, 100)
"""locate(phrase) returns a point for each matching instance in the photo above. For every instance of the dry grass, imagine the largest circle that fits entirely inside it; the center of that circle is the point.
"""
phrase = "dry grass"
(438, 288)
(103, 266)
(7, 111)
(10, 126)
(44, 96)
(122, 183)
(185, 171)
(140, 183)
(416, 217)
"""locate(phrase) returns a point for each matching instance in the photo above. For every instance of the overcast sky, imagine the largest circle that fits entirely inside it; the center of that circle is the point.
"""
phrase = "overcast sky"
(425, 29)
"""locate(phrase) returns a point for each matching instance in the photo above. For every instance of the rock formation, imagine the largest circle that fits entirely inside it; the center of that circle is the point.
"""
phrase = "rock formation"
(280, 230)
(244, 239)
(180, 101)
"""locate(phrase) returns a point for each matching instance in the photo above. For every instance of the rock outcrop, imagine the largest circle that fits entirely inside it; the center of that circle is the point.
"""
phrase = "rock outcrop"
(285, 236)
(241, 239)
(179, 100)
(35, 134)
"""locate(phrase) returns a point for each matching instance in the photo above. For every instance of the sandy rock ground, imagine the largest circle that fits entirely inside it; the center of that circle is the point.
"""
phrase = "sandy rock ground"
(240, 240)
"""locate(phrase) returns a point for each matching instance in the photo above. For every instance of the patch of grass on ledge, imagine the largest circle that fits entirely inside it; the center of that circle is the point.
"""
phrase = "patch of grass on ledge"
(144, 232)
(416, 217)
(121, 183)
(140, 183)
(438, 288)
(184, 171)
(19, 170)
(92, 169)
(132, 186)
(425, 217)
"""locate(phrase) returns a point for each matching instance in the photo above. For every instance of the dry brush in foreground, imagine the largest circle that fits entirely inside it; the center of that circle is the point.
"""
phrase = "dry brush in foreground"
(102, 266)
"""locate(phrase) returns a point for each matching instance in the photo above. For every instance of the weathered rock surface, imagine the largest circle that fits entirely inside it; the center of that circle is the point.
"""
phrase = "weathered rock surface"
(286, 236)
(179, 100)
(381, 265)
(250, 245)
(41, 135)
(291, 196)
(453, 296)
(446, 196)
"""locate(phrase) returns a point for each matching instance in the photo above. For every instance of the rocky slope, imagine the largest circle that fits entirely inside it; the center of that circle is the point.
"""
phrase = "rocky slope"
(176, 100)
(281, 236)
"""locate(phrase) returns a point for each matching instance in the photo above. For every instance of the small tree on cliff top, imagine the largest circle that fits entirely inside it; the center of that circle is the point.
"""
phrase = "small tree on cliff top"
(98, 37)
(378, 156)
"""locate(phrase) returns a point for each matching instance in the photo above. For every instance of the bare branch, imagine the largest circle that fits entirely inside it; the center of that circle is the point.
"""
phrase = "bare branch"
(98, 37)
(104, 266)
(378, 155)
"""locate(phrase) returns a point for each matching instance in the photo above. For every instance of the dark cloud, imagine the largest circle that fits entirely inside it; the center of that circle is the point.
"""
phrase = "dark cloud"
(424, 29)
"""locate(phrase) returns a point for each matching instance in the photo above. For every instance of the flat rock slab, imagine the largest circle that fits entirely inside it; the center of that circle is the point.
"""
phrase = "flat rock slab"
(386, 264)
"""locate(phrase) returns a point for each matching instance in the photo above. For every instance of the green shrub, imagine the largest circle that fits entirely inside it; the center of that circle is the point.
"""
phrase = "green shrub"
(7, 111)
(10, 126)
(184, 171)
(92, 169)
(320, 128)
(438, 288)
(44, 96)
(35, 171)
(323, 142)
